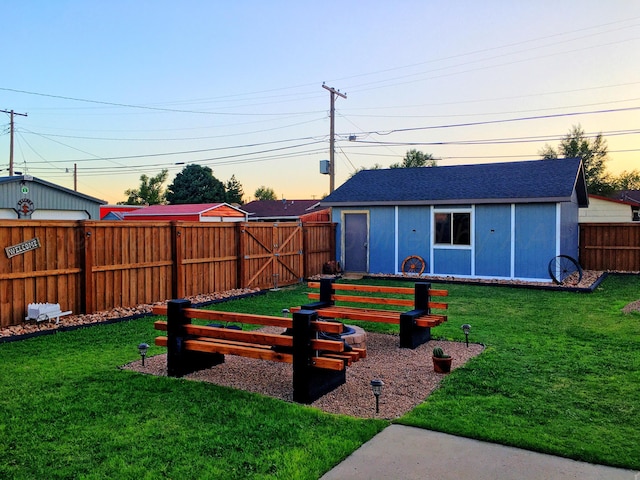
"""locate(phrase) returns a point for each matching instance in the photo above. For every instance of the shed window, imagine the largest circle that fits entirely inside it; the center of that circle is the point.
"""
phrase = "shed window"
(452, 228)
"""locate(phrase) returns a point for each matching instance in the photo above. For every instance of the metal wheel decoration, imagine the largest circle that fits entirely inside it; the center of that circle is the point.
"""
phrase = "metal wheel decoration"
(564, 269)
(413, 265)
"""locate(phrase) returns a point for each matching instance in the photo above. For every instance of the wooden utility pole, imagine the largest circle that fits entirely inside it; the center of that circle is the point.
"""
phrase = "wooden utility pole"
(332, 165)
(11, 113)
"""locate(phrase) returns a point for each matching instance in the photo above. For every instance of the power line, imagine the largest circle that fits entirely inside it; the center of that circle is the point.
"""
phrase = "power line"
(507, 120)
(202, 150)
(141, 107)
(164, 139)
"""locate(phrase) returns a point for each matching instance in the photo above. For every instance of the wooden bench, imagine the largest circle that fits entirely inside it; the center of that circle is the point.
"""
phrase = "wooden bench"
(319, 365)
(415, 324)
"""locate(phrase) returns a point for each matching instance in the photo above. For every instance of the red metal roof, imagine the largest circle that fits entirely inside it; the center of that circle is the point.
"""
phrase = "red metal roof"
(107, 209)
(186, 212)
(182, 209)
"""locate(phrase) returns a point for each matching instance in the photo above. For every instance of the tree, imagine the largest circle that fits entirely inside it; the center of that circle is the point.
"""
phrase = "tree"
(415, 158)
(233, 191)
(593, 154)
(376, 166)
(195, 184)
(150, 191)
(265, 193)
(628, 180)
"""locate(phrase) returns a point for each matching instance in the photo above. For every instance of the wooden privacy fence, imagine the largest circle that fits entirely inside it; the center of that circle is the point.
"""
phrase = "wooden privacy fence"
(610, 246)
(90, 266)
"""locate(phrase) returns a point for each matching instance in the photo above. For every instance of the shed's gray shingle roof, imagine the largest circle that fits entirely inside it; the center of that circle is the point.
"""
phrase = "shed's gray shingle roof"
(513, 182)
(22, 178)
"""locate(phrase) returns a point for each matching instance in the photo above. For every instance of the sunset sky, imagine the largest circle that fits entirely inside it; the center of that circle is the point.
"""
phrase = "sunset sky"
(120, 88)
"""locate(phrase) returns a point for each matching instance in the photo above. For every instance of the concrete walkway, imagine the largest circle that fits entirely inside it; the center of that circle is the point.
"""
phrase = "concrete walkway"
(408, 453)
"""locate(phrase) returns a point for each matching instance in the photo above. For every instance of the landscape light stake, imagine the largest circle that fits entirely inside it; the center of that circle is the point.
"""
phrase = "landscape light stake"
(376, 386)
(142, 348)
(466, 328)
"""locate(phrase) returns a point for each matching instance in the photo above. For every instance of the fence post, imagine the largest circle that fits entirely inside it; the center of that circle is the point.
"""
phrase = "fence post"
(305, 250)
(333, 241)
(87, 233)
(177, 274)
(241, 248)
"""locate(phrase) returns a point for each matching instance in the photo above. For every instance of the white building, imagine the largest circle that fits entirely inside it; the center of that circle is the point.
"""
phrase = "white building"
(606, 210)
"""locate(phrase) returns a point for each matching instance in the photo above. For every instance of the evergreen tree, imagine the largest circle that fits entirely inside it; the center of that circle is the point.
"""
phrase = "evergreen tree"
(195, 184)
(233, 191)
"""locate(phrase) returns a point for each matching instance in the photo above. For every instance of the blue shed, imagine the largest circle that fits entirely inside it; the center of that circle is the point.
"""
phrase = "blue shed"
(497, 220)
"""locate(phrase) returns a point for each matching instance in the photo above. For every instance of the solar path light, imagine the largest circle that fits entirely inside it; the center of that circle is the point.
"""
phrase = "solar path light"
(466, 328)
(142, 348)
(376, 386)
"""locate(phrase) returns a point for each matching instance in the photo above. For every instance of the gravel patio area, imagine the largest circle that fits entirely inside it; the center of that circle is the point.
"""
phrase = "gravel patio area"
(407, 374)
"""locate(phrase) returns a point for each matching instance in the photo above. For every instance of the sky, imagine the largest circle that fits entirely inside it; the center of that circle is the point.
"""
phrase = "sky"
(118, 89)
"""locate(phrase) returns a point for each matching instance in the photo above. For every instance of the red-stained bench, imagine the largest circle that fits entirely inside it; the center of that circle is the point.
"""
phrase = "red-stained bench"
(319, 365)
(345, 301)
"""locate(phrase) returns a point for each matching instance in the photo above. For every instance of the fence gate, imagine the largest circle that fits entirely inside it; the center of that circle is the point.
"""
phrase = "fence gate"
(271, 254)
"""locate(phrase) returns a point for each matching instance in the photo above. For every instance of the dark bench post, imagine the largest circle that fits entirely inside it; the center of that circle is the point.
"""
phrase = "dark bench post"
(412, 336)
(309, 383)
(421, 300)
(180, 361)
(326, 290)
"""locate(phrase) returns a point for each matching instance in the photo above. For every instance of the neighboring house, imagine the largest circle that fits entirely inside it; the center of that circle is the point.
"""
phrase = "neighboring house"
(633, 197)
(27, 197)
(607, 210)
(116, 212)
(498, 220)
(194, 212)
(286, 211)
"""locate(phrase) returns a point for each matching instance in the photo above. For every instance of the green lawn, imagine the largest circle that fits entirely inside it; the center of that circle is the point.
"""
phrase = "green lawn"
(560, 374)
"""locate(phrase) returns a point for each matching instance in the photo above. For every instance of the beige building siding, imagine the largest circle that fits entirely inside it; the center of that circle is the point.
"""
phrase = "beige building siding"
(603, 210)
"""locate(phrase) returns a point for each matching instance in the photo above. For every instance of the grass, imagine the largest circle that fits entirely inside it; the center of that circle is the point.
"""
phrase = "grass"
(67, 411)
(560, 375)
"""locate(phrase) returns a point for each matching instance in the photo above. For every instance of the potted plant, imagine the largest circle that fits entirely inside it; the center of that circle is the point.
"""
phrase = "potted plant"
(441, 361)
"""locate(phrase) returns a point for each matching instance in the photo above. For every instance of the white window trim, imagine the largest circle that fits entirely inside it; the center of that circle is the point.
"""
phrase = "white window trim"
(450, 246)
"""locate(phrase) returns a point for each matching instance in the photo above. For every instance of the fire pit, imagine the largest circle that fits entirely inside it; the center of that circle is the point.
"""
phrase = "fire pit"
(354, 336)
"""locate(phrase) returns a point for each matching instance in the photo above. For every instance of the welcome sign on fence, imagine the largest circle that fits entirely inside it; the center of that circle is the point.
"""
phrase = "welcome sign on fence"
(23, 247)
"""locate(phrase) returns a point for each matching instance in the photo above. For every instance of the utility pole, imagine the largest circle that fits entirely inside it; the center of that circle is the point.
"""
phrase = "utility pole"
(12, 113)
(332, 165)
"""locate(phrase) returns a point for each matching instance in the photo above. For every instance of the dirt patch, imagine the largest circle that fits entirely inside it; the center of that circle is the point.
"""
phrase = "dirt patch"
(632, 307)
